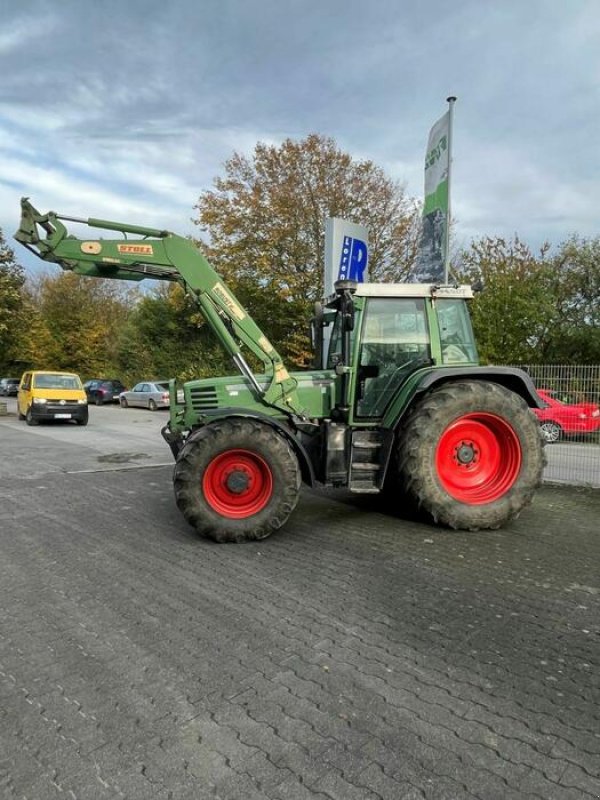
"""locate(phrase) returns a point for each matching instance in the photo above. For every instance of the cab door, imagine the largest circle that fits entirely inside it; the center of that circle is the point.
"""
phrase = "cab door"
(395, 341)
(24, 395)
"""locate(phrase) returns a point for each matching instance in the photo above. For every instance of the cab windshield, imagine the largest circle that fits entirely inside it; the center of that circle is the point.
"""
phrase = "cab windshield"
(56, 382)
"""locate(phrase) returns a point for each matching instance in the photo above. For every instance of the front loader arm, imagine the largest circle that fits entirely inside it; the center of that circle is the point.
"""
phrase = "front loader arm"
(162, 255)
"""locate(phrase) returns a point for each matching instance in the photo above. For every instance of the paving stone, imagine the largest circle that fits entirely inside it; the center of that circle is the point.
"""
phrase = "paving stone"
(353, 655)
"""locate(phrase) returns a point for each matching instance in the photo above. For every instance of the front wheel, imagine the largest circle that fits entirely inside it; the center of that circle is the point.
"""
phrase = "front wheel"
(236, 480)
(29, 418)
(123, 402)
(470, 455)
(551, 432)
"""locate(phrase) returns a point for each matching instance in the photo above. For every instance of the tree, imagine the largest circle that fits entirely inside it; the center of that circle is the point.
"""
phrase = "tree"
(265, 229)
(535, 308)
(166, 336)
(511, 314)
(79, 323)
(12, 280)
(574, 336)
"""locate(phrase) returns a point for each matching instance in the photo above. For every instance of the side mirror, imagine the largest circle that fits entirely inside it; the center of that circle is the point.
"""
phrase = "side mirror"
(316, 324)
(349, 316)
(345, 290)
(347, 311)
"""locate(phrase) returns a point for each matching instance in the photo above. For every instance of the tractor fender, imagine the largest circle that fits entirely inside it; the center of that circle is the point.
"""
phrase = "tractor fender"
(516, 380)
(306, 467)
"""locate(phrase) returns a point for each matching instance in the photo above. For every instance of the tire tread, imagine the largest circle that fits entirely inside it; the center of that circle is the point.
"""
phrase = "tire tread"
(417, 479)
(216, 437)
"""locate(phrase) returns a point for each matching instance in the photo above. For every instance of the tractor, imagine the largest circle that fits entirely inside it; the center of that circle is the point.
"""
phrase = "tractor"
(397, 404)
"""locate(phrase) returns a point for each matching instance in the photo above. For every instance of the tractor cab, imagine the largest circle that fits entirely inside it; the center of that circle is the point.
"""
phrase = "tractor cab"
(376, 336)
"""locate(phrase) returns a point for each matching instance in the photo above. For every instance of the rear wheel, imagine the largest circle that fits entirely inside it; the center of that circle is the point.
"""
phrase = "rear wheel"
(551, 431)
(98, 400)
(236, 480)
(151, 405)
(470, 455)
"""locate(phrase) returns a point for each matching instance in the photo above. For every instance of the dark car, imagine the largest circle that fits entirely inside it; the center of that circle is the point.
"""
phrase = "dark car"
(9, 386)
(101, 391)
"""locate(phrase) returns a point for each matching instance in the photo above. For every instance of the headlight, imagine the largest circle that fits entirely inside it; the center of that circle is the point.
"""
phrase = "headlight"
(38, 401)
(82, 402)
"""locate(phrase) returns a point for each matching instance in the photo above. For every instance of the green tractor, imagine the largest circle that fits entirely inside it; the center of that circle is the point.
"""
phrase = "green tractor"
(397, 404)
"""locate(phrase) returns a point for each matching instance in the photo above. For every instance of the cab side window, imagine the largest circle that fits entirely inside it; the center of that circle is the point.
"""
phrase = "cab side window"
(456, 333)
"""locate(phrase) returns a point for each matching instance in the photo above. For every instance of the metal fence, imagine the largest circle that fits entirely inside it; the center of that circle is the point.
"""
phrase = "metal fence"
(571, 420)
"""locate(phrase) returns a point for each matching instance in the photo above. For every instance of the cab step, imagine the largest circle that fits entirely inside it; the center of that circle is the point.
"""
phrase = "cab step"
(365, 461)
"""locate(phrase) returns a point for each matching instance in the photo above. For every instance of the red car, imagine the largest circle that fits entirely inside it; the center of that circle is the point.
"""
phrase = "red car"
(560, 417)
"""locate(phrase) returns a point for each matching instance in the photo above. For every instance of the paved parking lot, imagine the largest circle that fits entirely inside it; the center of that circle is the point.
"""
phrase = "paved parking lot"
(352, 655)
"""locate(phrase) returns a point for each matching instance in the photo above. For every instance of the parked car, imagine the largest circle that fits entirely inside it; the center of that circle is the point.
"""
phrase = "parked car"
(101, 391)
(563, 415)
(9, 387)
(147, 394)
(51, 395)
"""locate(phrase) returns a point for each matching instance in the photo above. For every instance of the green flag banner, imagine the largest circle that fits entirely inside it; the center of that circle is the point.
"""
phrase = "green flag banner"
(430, 263)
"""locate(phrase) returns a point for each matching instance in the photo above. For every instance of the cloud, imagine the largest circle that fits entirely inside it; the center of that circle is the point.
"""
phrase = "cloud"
(20, 32)
(135, 119)
(503, 189)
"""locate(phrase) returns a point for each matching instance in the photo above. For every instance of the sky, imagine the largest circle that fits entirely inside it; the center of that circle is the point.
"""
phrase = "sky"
(128, 109)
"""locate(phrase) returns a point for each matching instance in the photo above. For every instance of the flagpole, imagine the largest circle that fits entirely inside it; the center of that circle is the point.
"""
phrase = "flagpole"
(450, 101)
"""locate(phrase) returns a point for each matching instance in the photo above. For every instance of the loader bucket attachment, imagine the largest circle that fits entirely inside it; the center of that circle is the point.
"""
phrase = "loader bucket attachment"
(29, 233)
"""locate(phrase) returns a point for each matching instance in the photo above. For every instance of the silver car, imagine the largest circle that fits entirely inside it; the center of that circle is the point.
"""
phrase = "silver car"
(146, 395)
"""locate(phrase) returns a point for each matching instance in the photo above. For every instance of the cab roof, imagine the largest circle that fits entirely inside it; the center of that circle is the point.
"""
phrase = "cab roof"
(412, 290)
(409, 290)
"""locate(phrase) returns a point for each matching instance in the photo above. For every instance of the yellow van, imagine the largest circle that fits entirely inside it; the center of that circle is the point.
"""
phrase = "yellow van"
(51, 395)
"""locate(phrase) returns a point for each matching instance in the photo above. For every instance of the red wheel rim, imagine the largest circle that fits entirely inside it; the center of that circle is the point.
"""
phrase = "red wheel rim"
(237, 484)
(478, 458)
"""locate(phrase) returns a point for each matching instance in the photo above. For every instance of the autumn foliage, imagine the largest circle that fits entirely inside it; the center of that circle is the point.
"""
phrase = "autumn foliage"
(262, 227)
